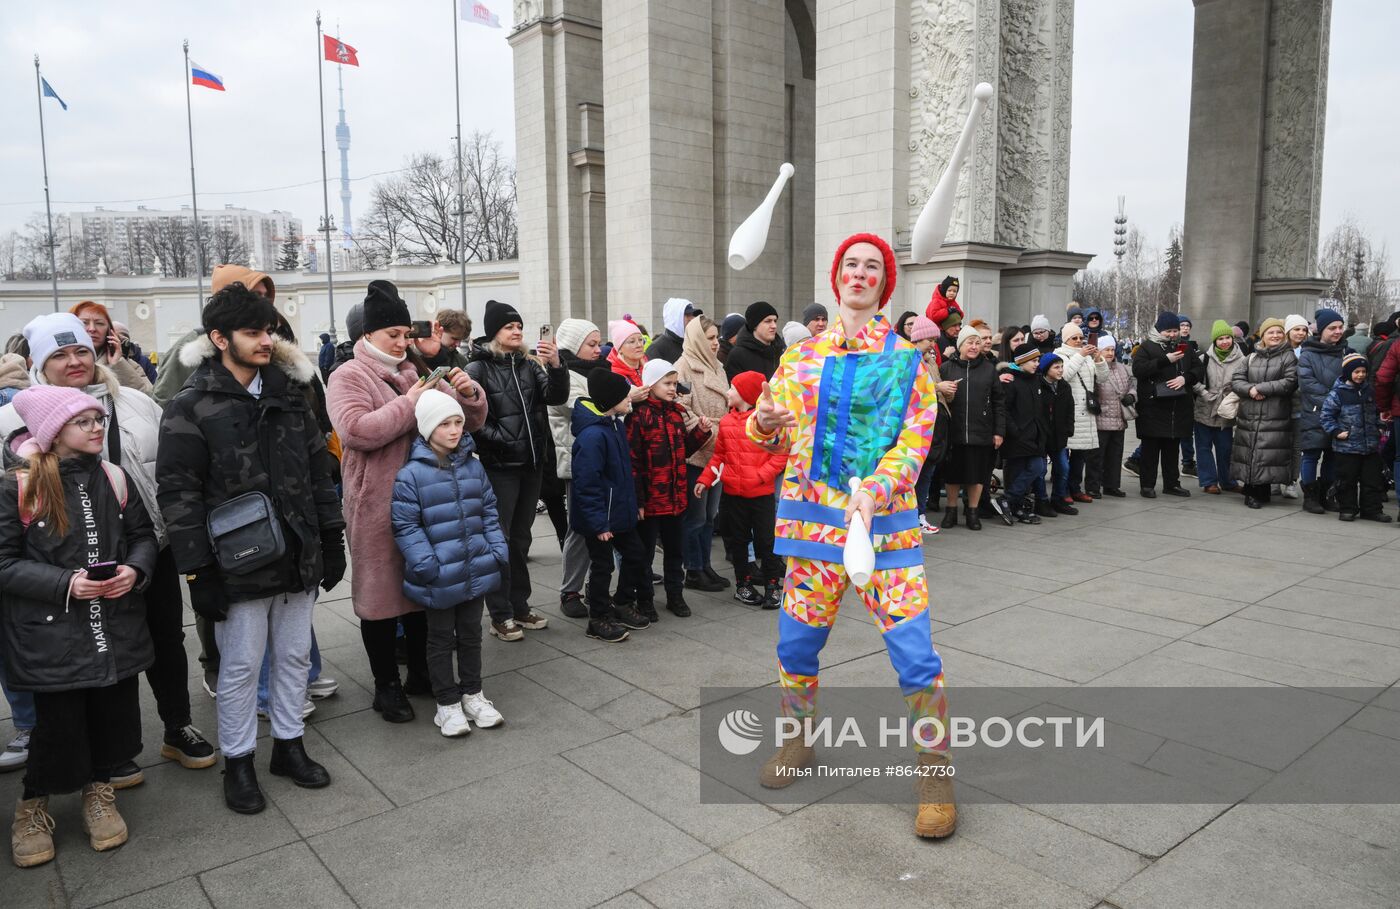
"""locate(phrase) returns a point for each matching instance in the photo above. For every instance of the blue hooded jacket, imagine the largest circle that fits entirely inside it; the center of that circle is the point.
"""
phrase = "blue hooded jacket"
(446, 526)
(604, 496)
(1352, 409)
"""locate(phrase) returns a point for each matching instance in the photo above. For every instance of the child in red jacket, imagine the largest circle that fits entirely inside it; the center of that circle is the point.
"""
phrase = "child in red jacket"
(661, 441)
(748, 511)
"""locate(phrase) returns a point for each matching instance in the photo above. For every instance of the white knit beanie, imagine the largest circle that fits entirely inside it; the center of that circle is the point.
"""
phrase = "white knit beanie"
(1040, 323)
(432, 408)
(1071, 331)
(1293, 322)
(571, 334)
(50, 333)
(655, 371)
(1107, 342)
(967, 332)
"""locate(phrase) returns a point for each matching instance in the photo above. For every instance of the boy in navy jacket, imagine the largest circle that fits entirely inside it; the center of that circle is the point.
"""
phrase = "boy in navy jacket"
(1350, 419)
(603, 506)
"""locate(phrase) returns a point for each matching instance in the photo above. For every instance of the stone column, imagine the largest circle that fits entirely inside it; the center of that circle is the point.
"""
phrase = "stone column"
(657, 92)
(557, 48)
(1254, 165)
(594, 250)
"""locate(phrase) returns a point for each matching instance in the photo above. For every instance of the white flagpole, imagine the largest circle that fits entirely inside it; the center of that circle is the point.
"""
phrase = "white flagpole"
(461, 199)
(194, 194)
(44, 154)
(327, 225)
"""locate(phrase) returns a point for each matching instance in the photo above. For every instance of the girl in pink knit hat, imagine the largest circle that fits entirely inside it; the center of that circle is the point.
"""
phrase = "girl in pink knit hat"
(75, 549)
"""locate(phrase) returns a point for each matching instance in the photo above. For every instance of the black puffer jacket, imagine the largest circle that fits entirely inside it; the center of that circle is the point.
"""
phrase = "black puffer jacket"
(1029, 420)
(752, 355)
(53, 643)
(217, 442)
(516, 433)
(1061, 413)
(1164, 418)
(979, 406)
(666, 347)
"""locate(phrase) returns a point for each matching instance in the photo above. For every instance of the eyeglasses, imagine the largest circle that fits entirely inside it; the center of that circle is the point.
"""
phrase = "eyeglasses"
(88, 424)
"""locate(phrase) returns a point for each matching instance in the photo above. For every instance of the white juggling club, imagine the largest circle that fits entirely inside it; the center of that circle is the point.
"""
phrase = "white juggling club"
(932, 227)
(747, 243)
(860, 551)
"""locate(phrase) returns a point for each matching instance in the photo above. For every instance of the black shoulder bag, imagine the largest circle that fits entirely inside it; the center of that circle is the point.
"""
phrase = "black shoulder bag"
(245, 531)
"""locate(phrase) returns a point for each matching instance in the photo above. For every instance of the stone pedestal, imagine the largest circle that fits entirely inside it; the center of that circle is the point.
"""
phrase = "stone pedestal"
(1254, 166)
(1041, 282)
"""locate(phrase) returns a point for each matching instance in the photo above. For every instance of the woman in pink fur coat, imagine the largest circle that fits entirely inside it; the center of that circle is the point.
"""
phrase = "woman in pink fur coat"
(370, 399)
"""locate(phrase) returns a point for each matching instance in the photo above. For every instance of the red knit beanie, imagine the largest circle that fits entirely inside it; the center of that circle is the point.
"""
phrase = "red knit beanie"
(891, 270)
(749, 385)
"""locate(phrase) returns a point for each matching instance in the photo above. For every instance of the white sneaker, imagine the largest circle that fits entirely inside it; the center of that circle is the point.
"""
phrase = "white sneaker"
(323, 687)
(306, 710)
(16, 754)
(451, 720)
(926, 527)
(1292, 491)
(481, 711)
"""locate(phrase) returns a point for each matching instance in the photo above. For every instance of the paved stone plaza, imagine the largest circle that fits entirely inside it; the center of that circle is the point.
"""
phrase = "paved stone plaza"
(589, 794)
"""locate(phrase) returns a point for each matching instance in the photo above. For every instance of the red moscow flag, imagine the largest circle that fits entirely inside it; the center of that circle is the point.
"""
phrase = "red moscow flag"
(338, 51)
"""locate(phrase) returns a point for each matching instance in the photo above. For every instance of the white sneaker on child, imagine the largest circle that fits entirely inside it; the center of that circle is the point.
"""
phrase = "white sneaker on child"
(481, 711)
(928, 528)
(451, 720)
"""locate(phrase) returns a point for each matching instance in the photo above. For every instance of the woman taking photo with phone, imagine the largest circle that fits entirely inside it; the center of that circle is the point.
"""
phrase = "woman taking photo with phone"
(371, 400)
(512, 445)
(76, 548)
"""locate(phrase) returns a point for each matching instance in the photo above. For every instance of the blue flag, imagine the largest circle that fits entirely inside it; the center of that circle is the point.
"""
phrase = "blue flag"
(50, 93)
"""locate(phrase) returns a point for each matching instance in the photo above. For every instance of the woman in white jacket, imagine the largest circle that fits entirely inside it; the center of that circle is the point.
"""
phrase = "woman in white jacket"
(1084, 370)
(580, 349)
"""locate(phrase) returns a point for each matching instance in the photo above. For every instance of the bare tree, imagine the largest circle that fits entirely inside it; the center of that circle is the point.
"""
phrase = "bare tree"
(9, 254)
(414, 216)
(227, 247)
(1357, 269)
(138, 247)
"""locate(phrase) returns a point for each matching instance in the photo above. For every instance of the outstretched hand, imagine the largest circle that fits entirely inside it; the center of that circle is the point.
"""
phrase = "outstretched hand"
(771, 417)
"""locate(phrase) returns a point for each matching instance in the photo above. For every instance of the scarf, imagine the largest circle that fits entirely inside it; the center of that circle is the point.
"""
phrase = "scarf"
(696, 350)
(390, 361)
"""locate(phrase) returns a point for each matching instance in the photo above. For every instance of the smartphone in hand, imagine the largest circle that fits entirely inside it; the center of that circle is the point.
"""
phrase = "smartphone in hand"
(546, 332)
(437, 375)
(102, 571)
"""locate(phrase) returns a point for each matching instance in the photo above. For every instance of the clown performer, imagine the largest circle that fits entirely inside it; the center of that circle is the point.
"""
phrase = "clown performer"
(856, 402)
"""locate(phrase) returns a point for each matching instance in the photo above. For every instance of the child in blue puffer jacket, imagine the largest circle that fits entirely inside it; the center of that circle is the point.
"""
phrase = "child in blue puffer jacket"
(1349, 417)
(445, 523)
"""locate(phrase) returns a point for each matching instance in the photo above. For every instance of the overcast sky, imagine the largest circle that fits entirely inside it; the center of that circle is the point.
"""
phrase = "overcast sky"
(123, 138)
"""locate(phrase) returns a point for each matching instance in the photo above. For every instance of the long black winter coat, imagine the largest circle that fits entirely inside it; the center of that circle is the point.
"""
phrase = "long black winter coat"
(217, 441)
(53, 643)
(516, 433)
(1061, 413)
(1029, 424)
(1319, 367)
(1263, 443)
(979, 406)
(751, 355)
(1164, 418)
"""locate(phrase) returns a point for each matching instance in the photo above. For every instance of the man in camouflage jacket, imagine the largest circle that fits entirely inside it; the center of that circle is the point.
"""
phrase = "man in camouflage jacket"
(240, 425)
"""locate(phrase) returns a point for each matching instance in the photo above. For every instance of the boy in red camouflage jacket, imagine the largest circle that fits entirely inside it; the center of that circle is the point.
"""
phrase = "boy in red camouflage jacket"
(747, 511)
(661, 441)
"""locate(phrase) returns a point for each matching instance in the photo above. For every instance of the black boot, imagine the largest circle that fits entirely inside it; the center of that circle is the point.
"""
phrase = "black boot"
(972, 518)
(391, 703)
(289, 759)
(678, 606)
(950, 517)
(1044, 509)
(698, 580)
(716, 577)
(603, 625)
(1329, 497)
(1312, 502)
(241, 790)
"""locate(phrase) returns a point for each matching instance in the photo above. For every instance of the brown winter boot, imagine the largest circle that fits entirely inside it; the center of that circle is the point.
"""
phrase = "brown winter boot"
(780, 770)
(104, 826)
(938, 814)
(31, 837)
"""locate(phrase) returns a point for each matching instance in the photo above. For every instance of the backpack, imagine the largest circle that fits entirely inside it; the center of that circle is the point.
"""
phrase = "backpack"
(115, 477)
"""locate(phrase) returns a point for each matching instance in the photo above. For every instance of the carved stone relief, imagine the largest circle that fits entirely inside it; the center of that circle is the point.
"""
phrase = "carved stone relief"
(1295, 92)
(1023, 165)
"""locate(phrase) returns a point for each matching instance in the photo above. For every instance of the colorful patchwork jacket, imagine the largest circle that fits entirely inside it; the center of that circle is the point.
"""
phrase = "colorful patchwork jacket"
(865, 408)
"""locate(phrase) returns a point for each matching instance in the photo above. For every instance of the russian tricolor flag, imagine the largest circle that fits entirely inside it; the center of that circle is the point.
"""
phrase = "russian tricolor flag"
(201, 76)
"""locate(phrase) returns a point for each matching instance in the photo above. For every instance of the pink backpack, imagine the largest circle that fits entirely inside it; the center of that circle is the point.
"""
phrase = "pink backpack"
(115, 477)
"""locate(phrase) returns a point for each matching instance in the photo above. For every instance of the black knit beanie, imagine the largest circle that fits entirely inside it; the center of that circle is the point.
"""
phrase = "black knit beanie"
(384, 308)
(498, 316)
(757, 312)
(607, 389)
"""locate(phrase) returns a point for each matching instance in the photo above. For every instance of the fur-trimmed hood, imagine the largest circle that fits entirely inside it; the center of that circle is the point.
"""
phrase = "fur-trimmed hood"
(286, 356)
